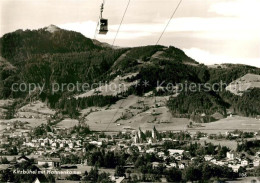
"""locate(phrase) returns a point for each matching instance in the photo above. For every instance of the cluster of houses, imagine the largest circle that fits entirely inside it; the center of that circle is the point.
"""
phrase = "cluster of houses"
(53, 143)
(235, 162)
(30, 114)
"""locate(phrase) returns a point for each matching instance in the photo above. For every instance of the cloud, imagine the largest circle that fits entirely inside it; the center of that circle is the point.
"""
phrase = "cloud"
(125, 35)
(208, 40)
(212, 28)
(208, 58)
(238, 8)
(213, 24)
(88, 29)
(212, 31)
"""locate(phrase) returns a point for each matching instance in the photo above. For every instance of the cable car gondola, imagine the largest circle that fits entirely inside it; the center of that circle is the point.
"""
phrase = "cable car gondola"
(103, 26)
(103, 29)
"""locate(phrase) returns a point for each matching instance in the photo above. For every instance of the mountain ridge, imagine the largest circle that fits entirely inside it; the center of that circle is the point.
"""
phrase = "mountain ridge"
(53, 28)
(53, 55)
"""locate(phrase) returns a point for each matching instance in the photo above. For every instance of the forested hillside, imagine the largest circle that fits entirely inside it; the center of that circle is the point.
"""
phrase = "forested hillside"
(20, 45)
(44, 57)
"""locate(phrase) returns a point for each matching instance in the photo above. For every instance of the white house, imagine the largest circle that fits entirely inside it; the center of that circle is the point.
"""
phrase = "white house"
(62, 144)
(208, 157)
(96, 143)
(52, 162)
(54, 144)
(231, 155)
(182, 166)
(155, 164)
(234, 167)
(161, 154)
(244, 163)
(172, 165)
(71, 145)
(42, 144)
(175, 151)
(29, 144)
(151, 150)
(256, 162)
(117, 179)
(150, 141)
(166, 139)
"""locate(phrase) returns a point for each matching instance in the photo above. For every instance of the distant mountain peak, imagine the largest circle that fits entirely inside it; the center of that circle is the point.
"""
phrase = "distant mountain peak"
(52, 28)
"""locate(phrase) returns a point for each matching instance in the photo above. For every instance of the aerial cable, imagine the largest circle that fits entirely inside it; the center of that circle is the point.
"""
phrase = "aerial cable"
(113, 45)
(121, 22)
(169, 22)
(96, 29)
(114, 115)
(165, 30)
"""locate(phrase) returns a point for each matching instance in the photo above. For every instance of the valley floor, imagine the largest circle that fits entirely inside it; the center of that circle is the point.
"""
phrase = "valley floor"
(131, 113)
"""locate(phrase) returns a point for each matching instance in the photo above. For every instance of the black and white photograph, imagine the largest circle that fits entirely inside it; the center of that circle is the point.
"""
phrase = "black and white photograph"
(129, 91)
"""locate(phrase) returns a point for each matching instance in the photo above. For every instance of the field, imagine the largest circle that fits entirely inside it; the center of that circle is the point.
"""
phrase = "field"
(67, 123)
(244, 83)
(34, 114)
(113, 88)
(231, 144)
(229, 124)
(132, 113)
(82, 168)
(245, 180)
(31, 122)
(3, 104)
(36, 107)
(147, 112)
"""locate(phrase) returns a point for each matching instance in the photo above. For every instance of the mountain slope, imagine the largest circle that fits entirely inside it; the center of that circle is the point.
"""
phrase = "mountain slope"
(243, 84)
(8, 74)
(54, 56)
(21, 45)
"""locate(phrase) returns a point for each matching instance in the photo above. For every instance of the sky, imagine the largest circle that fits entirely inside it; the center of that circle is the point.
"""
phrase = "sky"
(210, 31)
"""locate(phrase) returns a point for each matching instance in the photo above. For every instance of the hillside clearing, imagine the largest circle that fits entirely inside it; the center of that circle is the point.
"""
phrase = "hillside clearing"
(241, 85)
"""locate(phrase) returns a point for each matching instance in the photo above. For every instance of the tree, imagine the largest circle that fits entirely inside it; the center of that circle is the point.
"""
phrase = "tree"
(109, 160)
(46, 165)
(174, 175)
(85, 176)
(241, 170)
(257, 171)
(7, 175)
(4, 160)
(192, 173)
(134, 178)
(222, 151)
(104, 178)
(120, 171)
(139, 162)
(206, 171)
(128, 171)
(93, 174)
(50, 178)
(14, 160)
(74, 177)
(13, 151)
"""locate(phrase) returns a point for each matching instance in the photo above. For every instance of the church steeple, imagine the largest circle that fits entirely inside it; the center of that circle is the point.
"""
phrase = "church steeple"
(154, 133)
